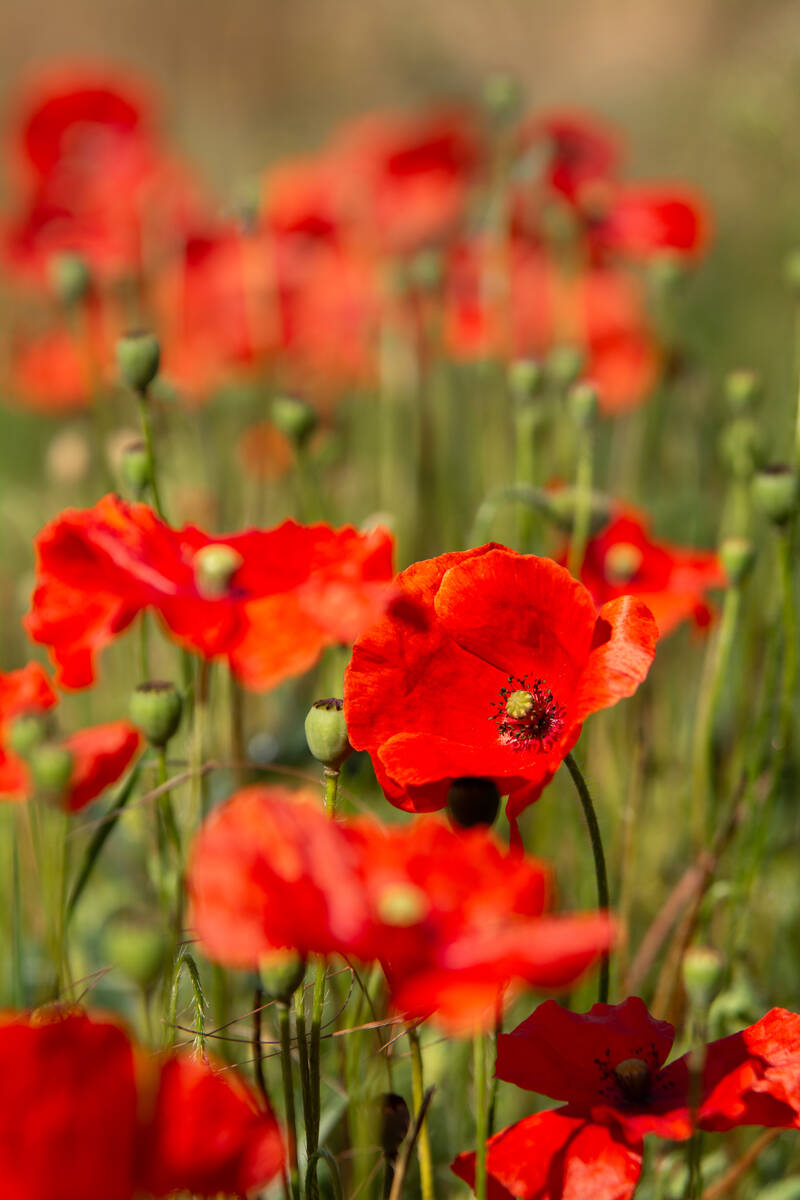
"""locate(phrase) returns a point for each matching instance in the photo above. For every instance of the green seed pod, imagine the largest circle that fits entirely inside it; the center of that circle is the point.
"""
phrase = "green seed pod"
(737, 555)
(27, 732)
(215, 567)
(69, 278)
(281, 974)
(137, 947)
(294, 418)
(135, 467)
(582, 401)
(703, 969)
(563, 365)
(138, 359)
(472, 801)
(156, 707)
(775, 492)
(502, 95)
(51, 767)
(326, 732)
(742, 447)
(525, 378)
(743, 389)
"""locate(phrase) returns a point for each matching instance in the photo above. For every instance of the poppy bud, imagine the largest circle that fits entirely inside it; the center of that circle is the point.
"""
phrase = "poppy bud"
(326, 732)
(27, 732)
(791, 271)
(138, 359)
(667, 272)
(294, 418)
(582, 401)
(281, 974)
(742, 447)
(737, 555)
(524, 379)
(137, 947)
(69, 278)
(425, 270)
(703, 969)
(135, 467)
(742, 389)
(775, 492)
(51, 767)
(214, 568)
(477, 801)
(395, 1120)
(563, 365)
(502, 96)
(156, 707)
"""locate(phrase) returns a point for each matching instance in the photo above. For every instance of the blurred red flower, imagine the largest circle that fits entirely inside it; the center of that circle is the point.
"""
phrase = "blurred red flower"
(82, 1105)
(268, 600)
(63, 369)
(486, 665)
(100, 754)
(454, 919)
(623, 559)
(607, 1065)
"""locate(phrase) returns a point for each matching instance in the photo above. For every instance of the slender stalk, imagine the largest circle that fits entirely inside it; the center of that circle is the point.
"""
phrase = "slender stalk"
(288, 1098)
(258, 1063)
(583, 502)
(17, 963)
(147, 434)
(481, 1114)
(418, 1094)
(238, 751)
(144, 646)
(715, 669)
(789, 676)
(599, 860)
(166, 811)
(102, 833)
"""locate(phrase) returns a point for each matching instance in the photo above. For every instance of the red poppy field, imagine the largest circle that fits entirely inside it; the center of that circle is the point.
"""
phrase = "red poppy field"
(399, 749)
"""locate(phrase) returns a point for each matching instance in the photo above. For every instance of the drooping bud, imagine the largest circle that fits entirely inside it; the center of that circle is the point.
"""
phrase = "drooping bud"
(742, 447)
(135, 467)
(737, 555)
(743, 388)
(156, 707)
(395, 1120)
(138, 359)
(524, 379)
(775, 492)
(51, 768)
(402, 904)
(667, 273)
(69, 277)
(281, 974)
(326, 732)
(294, 418)
(621, 562)
(502, 96)
(137, 947)
(563, 365)
(633, 1076)
(214, 568)
(473, 801)
(27, 732)
(582, 401)
(703, 970)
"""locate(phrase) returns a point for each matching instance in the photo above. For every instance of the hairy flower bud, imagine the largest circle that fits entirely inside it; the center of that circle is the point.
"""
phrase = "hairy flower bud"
(582, 401)
(69, 277)
(737, 555)
(138, 359)
(156, 707)
(28, 731)
(51, 768)
(743, 388)
(135, 467)
(294, 418)
(477, 801)
(703, 969)
(563, 365)
(281, 973)
(775, 492)
(137, 947)
(326, 732)
(524, 379)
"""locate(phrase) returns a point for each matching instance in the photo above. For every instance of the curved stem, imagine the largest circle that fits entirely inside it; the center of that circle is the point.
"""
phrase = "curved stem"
(599, 859)
(481, 1122)
(418, 1094)
(288, 1098)
(147, 433)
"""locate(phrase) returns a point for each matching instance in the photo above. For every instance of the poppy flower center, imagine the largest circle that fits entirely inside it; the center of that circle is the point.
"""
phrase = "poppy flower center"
(633, 1076)
(527, 713)
(622, 561)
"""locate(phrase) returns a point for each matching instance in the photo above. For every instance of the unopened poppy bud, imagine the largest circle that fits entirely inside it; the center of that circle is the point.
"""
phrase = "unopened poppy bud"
(51, 768)
(135, 467)
(27, 732)
(294, 418)
(524, 379)
(395, 1120)
(563, 365)
(326, 732)
(137, 947)
(156, 707)
(138, 359)
(737, 556)
(402, 904)
(743, 389)
(281, 974)
(703, 970)
(742, 447)
(69, 278)
(667, 272)
(477, 801)
(791, 270)
(775, 492)
(502, 96)
(215, 567)
(582, 401)
(633, 1076)
(425, 271)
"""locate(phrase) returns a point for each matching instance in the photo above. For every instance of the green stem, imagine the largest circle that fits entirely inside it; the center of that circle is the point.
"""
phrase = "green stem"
(102, 833)
(714, 671)
(599, 860)
(288, 1097)
(147, 434)
(17, 962)
(302, 1051)
(418, 1093)
(481, 1115)
(144, 646)
(312, 1126)
(583, 504)
(789, 677)
(166, 810)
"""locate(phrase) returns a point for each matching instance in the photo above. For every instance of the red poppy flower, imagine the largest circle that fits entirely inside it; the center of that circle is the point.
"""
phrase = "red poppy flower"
(607, 1065)
(455, 921)
(62, 369)
(80, 1104)
(282, 596)
(583, 149)
(24, 691)
(623, 559)
(487, 666)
